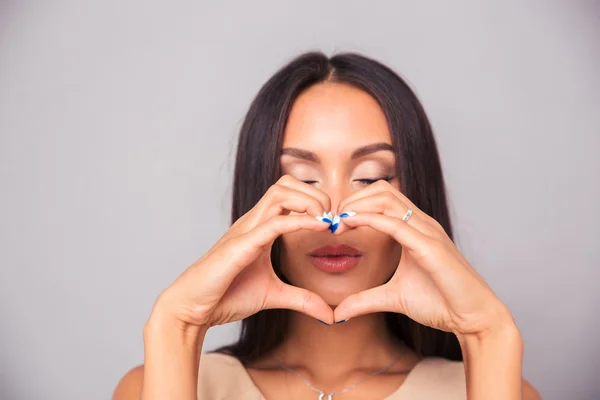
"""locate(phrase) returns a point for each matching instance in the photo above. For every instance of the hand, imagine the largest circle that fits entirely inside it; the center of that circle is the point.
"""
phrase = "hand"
(433, 283)
(235, 278)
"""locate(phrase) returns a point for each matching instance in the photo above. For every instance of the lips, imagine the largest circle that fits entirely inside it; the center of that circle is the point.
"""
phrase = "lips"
(335, 250)
(335, 258)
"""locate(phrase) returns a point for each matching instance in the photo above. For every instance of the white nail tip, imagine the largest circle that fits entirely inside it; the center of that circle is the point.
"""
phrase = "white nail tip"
(325, 218)
(334, 220)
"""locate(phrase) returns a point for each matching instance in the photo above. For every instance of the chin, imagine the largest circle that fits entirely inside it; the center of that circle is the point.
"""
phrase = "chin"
(334, 288)
(333, 301)
(334, 291)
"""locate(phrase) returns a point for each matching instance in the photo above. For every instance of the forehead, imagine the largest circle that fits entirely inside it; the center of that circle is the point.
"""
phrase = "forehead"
(335, 114)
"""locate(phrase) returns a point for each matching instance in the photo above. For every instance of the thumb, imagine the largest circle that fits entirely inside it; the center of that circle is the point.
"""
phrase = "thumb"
(378, 299)
(301, 300)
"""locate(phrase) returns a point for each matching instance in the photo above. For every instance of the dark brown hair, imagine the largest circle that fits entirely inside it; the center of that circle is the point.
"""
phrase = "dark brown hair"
(418, 167)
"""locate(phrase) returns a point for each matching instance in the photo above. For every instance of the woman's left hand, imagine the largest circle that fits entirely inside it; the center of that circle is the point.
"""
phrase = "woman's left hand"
(433, 283)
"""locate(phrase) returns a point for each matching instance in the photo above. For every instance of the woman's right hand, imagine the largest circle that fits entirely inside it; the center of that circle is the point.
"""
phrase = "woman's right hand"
(235, 278)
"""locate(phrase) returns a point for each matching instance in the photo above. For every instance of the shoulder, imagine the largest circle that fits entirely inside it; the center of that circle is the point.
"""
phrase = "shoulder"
(130, 385)
(214, 364)
(529, 392)
(447, 379)
(436, 378)
(221, 376)
(448, 375)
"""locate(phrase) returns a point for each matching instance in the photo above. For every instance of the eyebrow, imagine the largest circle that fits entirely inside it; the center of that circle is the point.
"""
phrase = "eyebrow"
(360, 152)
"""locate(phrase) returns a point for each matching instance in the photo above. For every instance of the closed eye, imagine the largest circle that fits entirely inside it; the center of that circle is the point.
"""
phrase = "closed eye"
(371, 181)
(364, 181)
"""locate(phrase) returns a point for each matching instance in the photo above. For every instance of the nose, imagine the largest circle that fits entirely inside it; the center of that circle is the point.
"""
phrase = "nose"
(337, 192)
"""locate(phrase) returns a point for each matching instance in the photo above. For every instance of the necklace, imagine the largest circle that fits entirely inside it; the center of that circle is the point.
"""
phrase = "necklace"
(322, 394)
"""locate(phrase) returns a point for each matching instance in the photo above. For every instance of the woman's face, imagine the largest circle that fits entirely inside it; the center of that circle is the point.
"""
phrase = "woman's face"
(332, 121)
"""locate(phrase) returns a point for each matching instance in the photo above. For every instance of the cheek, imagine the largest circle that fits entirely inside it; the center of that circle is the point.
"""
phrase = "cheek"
(294, 245)
(385, 251)
(294, 242)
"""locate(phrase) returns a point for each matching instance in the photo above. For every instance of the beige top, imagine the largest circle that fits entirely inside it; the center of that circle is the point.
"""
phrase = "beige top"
(223, 377)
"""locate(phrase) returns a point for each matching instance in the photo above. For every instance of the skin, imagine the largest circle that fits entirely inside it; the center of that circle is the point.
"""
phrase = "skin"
(432, 282)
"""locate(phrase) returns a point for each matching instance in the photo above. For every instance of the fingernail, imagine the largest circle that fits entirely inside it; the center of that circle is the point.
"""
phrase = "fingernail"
(342, 321)
(323, 322)
(334, 223)
(347, 214)
(326, 217)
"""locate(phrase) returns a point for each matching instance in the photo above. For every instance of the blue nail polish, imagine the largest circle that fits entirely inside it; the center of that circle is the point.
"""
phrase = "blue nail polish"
(342, 321)
(347, 214)
(326, 217)
(325, 323)
(334, 223)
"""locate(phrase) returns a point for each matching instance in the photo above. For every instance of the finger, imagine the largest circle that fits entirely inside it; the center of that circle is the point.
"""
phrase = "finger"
(290, 195)
(234, 229)
(301, 300)
(386, 203)
(258, 238)
(287, 194)
(401, 231)
(382, 186)
(444, 270)
(281, 200)
(278, 200)
(294, 183)
(378, 299)
(238, 252)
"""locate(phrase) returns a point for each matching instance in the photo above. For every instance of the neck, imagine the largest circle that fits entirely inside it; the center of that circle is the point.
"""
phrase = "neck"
(362, 343)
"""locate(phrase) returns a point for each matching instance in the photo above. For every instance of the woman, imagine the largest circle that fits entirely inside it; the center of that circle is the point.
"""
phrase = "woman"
(340, 261)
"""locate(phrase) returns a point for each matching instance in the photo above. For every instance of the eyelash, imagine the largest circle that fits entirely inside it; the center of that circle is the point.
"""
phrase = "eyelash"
(371, 181)
(365, 181)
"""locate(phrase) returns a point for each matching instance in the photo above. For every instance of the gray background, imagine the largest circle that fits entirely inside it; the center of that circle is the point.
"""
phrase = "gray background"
(118, 122)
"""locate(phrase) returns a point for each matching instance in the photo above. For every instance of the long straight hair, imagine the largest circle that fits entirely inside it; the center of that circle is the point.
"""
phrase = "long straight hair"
(257, 167)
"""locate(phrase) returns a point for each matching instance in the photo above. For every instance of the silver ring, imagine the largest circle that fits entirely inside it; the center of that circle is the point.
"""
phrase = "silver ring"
(407, 215)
